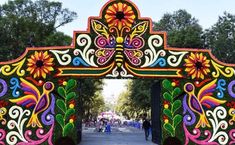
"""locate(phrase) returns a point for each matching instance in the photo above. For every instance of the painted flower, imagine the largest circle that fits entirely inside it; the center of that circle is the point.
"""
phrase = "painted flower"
(3, 103)
(119, 15)
(40, 64)
(165, 119)
(62, 82)
(72, 119)
(72, 104)
(175, 82)
(166, 104)
(197, 65)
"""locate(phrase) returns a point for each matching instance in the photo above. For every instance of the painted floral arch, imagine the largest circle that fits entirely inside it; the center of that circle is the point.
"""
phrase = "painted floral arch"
(38, 97)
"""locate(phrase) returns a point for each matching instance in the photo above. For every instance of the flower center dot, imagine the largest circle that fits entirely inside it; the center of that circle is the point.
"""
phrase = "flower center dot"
(39, 63)
(120, 15)
(198, 65)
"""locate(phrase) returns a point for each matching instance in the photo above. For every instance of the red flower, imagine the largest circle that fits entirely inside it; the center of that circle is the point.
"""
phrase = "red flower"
(176, 82)
(72, 118)
(3, 103)
(61, 82)
(231, 104)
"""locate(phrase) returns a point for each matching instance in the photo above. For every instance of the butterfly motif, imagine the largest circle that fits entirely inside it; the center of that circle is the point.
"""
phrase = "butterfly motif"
(119, 44)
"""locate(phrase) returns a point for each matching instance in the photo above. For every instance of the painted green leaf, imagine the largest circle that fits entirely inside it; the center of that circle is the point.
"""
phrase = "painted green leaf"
(61, 92)
(70, 85)
(177, 119)
(68, 113)
(70, 96)
(167, 112)
(167, 85)
(61, 104)
(68, 128)
(167, 96)
(60, 120)
(176, 92)
(176, 105)
(168, 127)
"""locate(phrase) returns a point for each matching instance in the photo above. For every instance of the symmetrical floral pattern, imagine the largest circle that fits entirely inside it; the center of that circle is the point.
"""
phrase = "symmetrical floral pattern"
(120, 15)
(38, 94)
(197, 65)
(40, 64)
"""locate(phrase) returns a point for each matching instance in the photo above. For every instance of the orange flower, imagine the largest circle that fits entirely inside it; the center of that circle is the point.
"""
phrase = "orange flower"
(119, 15)
(197, 65)
(40, 64)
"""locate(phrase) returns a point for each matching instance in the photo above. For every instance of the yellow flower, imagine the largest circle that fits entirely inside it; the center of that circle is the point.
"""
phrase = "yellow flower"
(40, 64)
(71, 106)
(197, 65)
(71, 120)
(119, 15)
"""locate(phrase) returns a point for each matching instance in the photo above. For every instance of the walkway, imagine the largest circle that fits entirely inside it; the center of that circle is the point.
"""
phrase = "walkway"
(119, 136)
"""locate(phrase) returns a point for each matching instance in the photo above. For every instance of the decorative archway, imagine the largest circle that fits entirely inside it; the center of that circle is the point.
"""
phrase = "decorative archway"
(38, 101)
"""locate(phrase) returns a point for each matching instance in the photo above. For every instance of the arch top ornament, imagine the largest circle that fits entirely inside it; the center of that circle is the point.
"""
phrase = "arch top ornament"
(121, 44)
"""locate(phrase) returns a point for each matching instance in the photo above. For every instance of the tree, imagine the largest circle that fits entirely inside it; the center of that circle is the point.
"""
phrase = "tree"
(183, 30)
(90, 95)
(98, 104)
(26, 23)
(220, 38)
(136, 100)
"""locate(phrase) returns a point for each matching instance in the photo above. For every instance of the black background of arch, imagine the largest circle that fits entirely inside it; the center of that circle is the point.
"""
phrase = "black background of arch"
(156, 112)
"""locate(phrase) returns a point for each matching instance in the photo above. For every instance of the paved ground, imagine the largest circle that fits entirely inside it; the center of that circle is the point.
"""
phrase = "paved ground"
(119, 136)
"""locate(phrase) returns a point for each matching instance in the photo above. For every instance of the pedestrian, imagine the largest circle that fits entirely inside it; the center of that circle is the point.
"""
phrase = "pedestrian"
(108, 128)
(146, 126)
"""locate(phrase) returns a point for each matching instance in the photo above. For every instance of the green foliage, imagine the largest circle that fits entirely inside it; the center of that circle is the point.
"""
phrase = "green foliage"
(183, 30)
(92, 101)
(171, 108)
(220, 38)
(136, 100)
(169, 128)
(26, 23)
(61, 104)
(67, 128)
(176, 120)
(67, 109)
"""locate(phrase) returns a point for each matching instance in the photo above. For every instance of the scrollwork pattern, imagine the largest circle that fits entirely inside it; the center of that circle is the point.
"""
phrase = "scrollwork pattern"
(231, 89)
(227, 72)
(173, 61)
(16, 113)
(124, 73)
(2, 136)
(17, 67)
(219, 125)
(220, 87)
(15, 85)
(87, 54)
(196, 135)
(65, 59)
(40, 135)
(4, 87)
(114, 74)
(151, 55)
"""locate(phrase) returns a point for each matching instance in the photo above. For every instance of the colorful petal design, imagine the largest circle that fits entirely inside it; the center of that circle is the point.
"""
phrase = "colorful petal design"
(119, 15)
(40, 64)
(197, 65)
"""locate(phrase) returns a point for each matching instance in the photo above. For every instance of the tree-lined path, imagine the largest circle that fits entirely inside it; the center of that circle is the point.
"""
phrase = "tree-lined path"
(119, 136)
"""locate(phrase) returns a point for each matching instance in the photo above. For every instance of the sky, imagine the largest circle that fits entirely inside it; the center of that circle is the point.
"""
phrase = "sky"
(206, 11)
